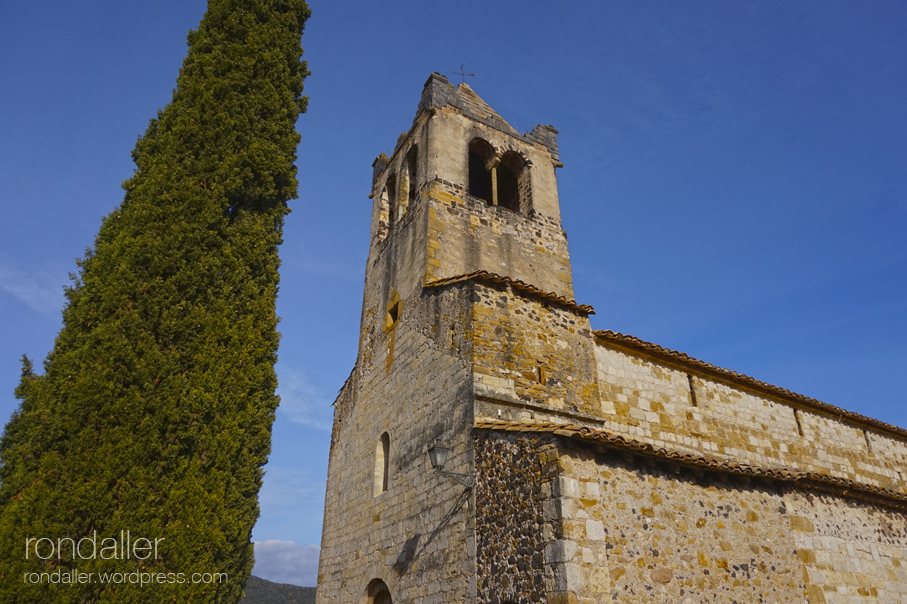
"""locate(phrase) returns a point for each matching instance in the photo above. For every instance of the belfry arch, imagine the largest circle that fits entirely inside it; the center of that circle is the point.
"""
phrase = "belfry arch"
(499, 180)
(513, 182)
(481, 159)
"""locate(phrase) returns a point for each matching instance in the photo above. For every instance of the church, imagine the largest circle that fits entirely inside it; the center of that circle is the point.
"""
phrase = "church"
(489, 447)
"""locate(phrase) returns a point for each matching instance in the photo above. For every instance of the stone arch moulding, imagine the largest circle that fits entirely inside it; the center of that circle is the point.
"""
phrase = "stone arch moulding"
(377, 592)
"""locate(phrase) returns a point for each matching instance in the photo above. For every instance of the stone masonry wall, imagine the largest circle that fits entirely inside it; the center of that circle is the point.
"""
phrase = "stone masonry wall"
(652, 401)
(530, 359)
(511, 533)
(851, 552)
(418, 535)
(638, 532)
(466, 234)
(643, 534)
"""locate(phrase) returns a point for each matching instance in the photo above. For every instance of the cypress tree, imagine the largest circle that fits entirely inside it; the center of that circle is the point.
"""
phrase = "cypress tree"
(153, 413)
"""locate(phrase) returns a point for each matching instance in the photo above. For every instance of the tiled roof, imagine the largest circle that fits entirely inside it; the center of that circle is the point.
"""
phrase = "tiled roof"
(739, 378)
(810, 480)
(518, 287)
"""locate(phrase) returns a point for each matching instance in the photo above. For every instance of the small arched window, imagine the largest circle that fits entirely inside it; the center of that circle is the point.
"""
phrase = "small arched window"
(382, 459)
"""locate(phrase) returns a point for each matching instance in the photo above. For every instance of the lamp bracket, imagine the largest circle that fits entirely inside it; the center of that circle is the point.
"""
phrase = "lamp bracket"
(464, 479)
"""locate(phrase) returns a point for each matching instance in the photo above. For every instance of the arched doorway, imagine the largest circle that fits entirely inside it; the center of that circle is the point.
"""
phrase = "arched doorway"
(377, 593)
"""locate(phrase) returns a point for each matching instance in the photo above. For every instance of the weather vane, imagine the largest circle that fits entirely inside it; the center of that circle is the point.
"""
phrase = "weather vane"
(461, 73)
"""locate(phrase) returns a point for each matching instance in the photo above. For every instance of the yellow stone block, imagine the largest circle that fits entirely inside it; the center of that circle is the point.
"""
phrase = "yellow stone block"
(802, 524)
(806, 556)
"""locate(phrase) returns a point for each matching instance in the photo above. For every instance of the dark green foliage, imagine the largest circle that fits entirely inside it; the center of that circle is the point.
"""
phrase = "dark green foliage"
(154, 411)
(260, 591)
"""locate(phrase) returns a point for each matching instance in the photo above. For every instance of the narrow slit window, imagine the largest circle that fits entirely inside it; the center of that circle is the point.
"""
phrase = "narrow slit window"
(382, 458)
(693, 400)
(393, 315)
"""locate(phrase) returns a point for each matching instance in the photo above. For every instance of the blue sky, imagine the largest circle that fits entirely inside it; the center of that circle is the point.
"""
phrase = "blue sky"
(735, 183)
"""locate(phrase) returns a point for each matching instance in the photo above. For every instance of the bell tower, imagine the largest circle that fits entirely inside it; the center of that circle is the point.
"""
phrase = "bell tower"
(467, 313)
(464, 192)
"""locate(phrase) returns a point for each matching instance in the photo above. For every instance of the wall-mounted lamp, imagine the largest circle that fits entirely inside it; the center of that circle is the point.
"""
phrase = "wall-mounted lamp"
(438, 457)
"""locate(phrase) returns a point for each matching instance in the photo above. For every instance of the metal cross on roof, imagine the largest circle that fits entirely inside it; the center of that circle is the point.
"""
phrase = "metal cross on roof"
(461, 73)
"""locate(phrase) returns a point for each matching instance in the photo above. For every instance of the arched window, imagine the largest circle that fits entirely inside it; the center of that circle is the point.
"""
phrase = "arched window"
(513, 182)
(377, 592)
(500, 181)
(391, 190)
(382, 458)
(480, 155)
(411, 157)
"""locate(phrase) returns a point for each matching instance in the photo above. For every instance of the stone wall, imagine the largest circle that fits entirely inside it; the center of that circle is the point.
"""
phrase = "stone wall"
(466, 234)
(851, 552)
(654, 401)
(629, 528)
(511, 477)
(531, 358)
(418, 535)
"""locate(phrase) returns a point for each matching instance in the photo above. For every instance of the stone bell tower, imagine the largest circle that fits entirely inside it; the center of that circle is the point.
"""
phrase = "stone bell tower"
(467, 256)
(464, 192)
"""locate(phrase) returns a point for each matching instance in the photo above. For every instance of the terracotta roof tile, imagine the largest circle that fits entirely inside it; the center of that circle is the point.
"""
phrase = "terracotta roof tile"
(517, 286)
(811, 480)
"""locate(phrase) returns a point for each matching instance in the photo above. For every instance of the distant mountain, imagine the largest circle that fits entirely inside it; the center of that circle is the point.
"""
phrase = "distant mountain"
(260, 591)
